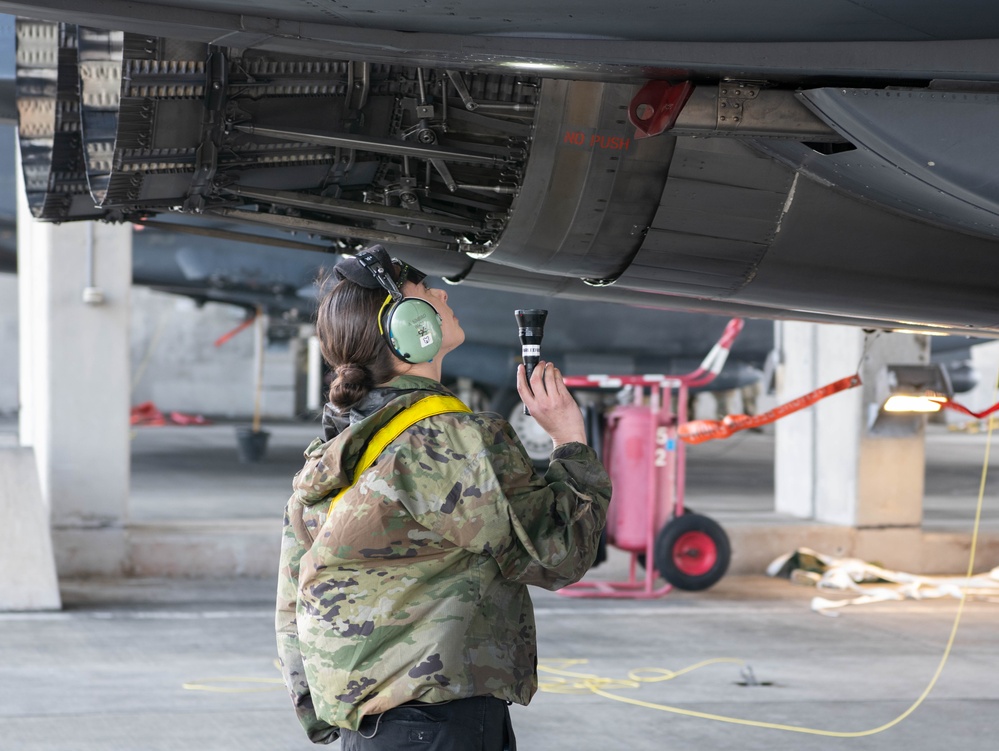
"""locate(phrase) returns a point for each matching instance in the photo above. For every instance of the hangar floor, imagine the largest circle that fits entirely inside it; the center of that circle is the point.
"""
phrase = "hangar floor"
(163, 664)
(120, 668)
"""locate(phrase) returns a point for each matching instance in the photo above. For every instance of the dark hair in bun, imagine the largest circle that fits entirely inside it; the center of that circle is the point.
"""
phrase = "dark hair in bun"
(352, 345)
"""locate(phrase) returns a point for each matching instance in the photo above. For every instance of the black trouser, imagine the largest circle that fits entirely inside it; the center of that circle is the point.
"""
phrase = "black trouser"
(481, 723)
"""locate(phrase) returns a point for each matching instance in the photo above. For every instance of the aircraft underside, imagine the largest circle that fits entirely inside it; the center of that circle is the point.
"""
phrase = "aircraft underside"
(868, 202)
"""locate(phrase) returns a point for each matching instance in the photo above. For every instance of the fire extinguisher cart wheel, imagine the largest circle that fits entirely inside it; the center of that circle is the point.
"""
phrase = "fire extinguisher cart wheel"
(692, 552)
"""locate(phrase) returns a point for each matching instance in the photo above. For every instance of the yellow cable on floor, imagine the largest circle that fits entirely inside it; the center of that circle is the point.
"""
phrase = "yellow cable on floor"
(568, 682)
(205, 684)
(588, 683)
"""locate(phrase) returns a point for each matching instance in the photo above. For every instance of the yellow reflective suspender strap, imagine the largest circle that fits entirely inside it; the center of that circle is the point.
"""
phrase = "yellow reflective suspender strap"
(438, 404)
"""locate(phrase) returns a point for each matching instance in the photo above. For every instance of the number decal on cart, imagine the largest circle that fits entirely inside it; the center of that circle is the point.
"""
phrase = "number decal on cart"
(662, 443)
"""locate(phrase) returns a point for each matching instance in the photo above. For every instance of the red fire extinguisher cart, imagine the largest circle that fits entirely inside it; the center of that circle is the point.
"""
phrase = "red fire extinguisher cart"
(646, 462)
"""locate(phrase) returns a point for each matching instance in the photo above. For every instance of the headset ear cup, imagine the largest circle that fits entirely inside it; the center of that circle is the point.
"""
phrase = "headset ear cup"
(413, 330)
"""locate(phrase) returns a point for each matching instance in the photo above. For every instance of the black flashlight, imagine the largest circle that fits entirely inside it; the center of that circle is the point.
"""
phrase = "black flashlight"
(531, 325)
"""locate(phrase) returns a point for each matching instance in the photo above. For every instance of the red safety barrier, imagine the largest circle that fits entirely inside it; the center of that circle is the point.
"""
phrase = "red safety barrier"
(964, 410)
(699, 431)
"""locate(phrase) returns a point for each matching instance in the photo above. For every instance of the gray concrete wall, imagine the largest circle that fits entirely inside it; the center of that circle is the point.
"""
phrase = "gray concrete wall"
(176, 365)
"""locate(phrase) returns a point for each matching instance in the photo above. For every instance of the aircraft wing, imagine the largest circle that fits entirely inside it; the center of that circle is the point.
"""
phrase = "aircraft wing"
(814, 159)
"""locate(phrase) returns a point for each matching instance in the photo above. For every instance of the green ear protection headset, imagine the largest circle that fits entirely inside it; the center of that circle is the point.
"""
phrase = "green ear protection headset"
(410, 325)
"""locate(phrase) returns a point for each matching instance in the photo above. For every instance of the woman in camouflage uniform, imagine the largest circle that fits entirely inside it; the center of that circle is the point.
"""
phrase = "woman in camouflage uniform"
(403, 616)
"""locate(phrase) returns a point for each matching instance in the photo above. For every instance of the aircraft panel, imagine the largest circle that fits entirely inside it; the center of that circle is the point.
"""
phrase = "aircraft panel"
(779, 41)
(804, 20)
(891, 267)
(868, 177)
(728, 160)
(540, 169)
(695, 207)
(692, 265)
(929, 146)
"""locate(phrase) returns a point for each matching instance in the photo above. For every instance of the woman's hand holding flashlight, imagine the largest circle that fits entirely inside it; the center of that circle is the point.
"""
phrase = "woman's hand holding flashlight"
(551, 404)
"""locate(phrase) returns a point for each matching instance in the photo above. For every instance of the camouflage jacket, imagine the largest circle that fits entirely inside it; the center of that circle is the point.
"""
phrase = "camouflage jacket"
(413, 586)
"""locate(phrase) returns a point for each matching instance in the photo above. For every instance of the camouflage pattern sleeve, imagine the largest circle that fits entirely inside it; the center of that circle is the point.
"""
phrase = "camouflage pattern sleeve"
(294, 541)
(540, 530)
(559, 529)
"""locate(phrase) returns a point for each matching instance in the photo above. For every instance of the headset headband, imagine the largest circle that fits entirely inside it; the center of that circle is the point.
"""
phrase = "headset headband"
(362, 274)
(376, 268)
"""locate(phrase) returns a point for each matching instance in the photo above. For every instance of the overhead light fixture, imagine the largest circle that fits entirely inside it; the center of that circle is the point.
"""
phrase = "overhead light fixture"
(921, 331)
(919, 389)
(914, 403)
(534, 66)
(914, 388)
(903, 394)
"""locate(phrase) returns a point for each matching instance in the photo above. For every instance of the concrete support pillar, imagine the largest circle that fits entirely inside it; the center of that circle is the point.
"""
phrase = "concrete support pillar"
(74, 290)
(833, 462)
